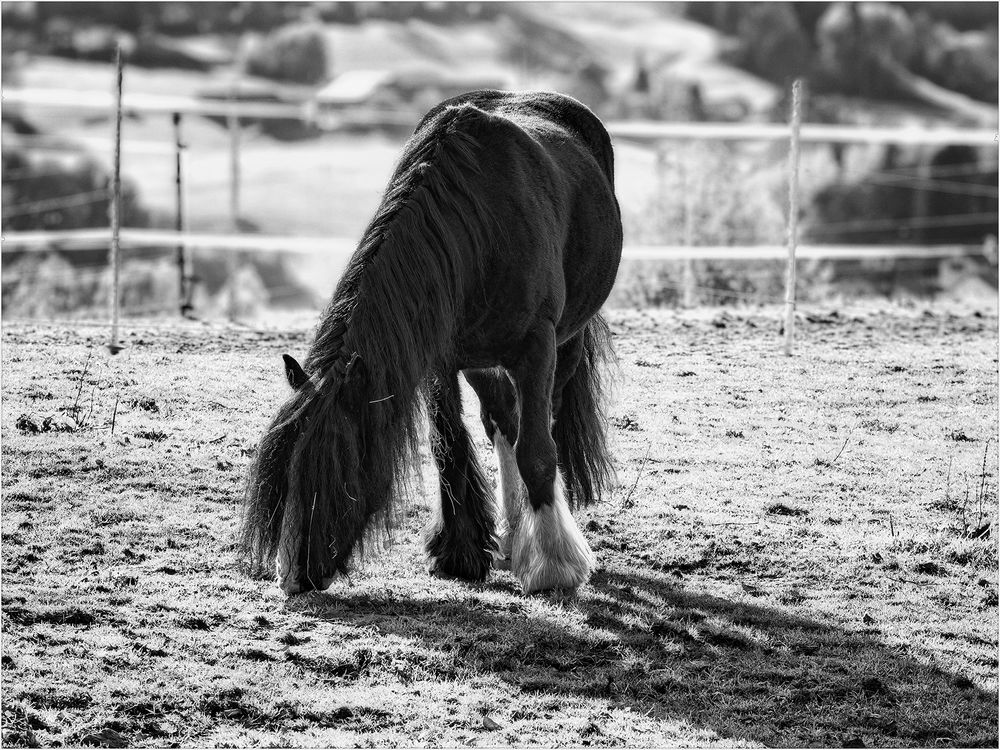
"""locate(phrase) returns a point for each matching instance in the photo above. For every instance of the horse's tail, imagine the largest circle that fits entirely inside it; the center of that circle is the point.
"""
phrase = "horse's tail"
(580, 425)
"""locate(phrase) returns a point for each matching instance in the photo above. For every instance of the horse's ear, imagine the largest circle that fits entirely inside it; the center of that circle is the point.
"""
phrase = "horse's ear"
(293, 371)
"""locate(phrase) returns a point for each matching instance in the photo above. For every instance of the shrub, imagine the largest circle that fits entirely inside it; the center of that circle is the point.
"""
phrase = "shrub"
(705, 196)
(295, 53)
(48, 285)
(885, 207)
(243, 295)
(853, 38)
(772, 44)
(962, 62)
(50, 194)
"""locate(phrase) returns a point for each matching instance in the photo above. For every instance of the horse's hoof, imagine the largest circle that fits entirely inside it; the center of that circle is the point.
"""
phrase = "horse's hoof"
(292, 581)
(502, 555)
(553, 577)
(549, 551)
(466, 569)
(450, 556)
(291, 588)
(288, 576)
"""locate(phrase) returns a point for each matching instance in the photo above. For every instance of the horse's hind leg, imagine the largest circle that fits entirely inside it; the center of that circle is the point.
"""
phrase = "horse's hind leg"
(461, 541)
(499, 414)
(549, 551)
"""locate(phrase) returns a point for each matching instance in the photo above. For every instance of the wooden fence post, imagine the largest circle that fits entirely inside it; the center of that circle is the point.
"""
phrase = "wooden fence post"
(115, 209)
(183, 267)
(233, 121)
(793, 215)
(688, 277)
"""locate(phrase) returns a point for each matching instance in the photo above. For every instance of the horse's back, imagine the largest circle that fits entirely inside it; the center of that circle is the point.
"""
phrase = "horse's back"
(558, 109)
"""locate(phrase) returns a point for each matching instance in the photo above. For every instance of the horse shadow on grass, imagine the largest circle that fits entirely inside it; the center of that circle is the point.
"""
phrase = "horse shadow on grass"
(741, 671)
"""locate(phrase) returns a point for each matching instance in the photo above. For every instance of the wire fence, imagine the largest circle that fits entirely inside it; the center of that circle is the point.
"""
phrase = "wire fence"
(943, 180)
(47, 205)
(964, 169)
(923, 222)
(934, 185)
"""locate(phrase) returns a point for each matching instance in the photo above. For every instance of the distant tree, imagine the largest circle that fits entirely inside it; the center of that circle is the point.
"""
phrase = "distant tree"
(772, 43)
(964, 16)
(295, 53)
(120, 15)
(770, 39)
(875, 50)
(891, 206)
(917, 50)
(723, 16)
(641, 82)
(965, 62)
(855, 40)
(808, 15)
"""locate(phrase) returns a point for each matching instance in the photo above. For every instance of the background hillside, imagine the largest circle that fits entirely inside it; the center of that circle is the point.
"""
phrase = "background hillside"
(869, 63)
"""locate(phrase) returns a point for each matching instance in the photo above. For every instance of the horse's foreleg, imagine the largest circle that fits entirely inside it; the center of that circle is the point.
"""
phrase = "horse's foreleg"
(549, 551)
(499, 414)
(461, 540)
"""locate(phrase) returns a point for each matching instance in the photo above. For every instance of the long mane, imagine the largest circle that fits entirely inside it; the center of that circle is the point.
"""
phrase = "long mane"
(335, 457)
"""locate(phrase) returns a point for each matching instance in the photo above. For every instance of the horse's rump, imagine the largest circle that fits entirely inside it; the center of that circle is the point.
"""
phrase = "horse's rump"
(549, 106)
(544, 169)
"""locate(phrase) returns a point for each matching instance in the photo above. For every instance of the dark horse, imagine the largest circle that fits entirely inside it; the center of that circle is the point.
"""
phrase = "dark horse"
(494, 247)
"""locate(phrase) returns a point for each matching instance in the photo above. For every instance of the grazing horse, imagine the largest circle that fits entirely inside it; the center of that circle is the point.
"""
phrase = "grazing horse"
(491, 253)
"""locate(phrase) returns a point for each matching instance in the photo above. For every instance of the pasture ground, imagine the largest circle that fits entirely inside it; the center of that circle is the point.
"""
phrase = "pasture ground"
(791, 557)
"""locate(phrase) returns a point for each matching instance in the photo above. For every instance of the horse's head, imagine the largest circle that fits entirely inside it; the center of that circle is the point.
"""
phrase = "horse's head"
(270, 532)
(300, 510)
(292, 575)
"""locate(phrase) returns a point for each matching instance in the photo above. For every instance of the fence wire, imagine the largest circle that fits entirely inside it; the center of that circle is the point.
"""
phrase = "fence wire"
(910, 177)
(937, 186)
(924, 222)
(45, 205)
(962, 169)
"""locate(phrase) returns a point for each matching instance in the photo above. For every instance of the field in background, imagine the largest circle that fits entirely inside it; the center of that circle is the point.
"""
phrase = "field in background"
(689, 193)
(682, 194)
(799, 552)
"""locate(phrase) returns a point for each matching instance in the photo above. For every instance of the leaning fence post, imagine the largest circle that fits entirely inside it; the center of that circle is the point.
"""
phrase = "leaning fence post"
(793, 215)
(233, 121)
(183, 272)
(115, 207)
(687, 282)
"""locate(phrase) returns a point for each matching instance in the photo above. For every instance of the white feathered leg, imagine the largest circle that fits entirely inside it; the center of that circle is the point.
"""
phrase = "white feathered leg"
(549, 550)
(511, 489)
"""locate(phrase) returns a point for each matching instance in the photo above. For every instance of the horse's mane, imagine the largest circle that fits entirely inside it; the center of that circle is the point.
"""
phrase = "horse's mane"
(410, 240)
(336, 454)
